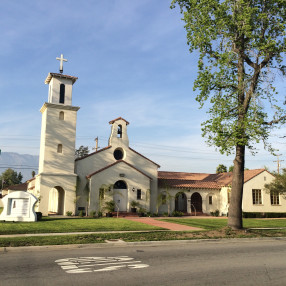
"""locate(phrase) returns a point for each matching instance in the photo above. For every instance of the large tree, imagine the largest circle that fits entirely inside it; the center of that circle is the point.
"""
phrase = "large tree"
(10, 177)
(241, 44)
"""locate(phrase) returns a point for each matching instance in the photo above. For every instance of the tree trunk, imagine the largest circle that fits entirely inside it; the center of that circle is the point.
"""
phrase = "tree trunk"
(235, 208)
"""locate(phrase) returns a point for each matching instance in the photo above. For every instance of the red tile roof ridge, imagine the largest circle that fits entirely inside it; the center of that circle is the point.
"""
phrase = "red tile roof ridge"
(118, 118)
(113, 164)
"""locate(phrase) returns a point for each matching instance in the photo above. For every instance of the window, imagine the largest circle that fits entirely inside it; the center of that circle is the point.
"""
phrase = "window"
(119, 131)
(256, 197)
(62, 93)
(118, 154)
(210, 200)
(62, 115)
(139, 194)
(60, 148)
(274, 197)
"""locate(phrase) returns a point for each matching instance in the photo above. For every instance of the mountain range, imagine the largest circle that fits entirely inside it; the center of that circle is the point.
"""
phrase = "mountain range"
(23, 163)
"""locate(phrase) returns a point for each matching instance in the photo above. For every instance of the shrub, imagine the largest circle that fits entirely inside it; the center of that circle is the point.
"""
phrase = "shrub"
(81, 214)
(68, 213)
(177, 213)
(215, 213)
(99, 214)
(92, 214)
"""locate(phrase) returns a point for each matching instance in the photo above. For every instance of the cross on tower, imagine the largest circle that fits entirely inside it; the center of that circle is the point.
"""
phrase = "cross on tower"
(61, 59)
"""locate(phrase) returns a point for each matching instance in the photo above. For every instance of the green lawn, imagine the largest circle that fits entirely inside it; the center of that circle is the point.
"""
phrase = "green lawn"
(212, 224)
(58, 225)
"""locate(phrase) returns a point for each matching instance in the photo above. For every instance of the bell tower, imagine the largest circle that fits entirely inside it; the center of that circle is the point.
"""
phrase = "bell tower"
(57, 149)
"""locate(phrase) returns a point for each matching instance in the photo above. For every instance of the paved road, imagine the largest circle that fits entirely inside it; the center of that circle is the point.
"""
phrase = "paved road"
(232, 262)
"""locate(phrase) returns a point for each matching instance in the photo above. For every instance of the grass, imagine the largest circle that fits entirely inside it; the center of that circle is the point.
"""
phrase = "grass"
(58, 225)
(213, 228)
(213, 224)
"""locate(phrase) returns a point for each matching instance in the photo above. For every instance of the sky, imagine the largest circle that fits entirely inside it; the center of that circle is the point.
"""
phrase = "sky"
(132, 60)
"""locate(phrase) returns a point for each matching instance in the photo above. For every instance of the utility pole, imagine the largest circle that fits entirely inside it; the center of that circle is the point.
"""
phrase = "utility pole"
(278, 163)
(96, 144)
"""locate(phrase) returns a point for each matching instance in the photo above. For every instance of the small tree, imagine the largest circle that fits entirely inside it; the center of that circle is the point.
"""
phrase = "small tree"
(81, 151)
(278, 185)
(221, 169)
(11, 177)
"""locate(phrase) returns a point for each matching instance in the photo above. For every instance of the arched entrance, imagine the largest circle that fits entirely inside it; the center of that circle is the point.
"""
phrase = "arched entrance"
(120, 195)
(57, 200)
(196, 202)
(181, 202)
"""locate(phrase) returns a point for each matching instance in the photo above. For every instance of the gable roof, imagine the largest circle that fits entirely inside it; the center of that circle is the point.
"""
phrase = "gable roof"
(118, 118)
(113, 164)
(144, 157)
(201, 180)
(83, 157)
(59, 75)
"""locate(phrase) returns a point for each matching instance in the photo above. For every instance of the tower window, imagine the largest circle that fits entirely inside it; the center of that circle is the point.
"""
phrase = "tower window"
(62, 93)
(62, 115)
(210, 200)
(119, 131)
(60, 148)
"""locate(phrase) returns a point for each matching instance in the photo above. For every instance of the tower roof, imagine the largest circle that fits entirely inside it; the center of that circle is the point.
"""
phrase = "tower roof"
(119, 118)
(59, 75)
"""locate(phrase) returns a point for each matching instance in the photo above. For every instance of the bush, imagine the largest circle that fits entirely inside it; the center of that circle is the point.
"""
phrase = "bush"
(69, 213)
(165, 214)
(81, 213)
(262, 215)
(99, 214)
(177, 213)
(92, 214)
(215, 213)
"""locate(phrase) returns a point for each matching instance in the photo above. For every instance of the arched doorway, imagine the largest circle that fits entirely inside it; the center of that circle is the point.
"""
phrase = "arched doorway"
(181, 202)
(196, 202)
(57, 200)
(120, 195)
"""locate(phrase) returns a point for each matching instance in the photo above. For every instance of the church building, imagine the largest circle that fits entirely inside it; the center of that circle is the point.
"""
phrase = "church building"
(119, 173)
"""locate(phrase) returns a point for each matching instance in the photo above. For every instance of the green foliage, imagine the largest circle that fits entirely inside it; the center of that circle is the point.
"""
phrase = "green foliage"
(221, 169)
(10, 177)
(215, 213)
(81, 213)
(239, 42)
(134, 204)
(81, 151)
(278, 185)
(69, 213)
(109, 206)
(177, 213)
(230, 168)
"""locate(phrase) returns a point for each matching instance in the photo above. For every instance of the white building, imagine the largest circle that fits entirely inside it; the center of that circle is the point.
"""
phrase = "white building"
(117, 172)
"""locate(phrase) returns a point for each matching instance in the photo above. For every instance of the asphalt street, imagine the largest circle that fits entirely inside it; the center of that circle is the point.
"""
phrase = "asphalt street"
(223, 262)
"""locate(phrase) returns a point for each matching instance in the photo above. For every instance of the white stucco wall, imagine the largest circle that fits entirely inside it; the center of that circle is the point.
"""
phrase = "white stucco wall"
(258, 182)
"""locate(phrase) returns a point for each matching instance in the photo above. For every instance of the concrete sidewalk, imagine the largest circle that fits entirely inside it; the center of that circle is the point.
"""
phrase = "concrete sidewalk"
(164, 224)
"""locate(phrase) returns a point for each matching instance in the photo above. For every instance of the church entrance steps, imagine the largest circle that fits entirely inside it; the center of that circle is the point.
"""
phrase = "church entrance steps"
(163, 224)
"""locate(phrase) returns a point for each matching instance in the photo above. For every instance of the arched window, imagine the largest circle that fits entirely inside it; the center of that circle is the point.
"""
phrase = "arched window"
(62, 115)
(62, 93)
(119, 131)
(60, 148)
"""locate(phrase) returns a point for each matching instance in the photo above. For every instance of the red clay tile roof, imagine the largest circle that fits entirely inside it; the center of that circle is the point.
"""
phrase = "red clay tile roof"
(19, 187)
(118, 118)
(144, 157)
(103, 149)
(115, 163)
(201, 180)
(51, 75)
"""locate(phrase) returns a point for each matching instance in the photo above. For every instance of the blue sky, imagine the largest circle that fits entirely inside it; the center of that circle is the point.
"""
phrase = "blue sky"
(132, 60)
